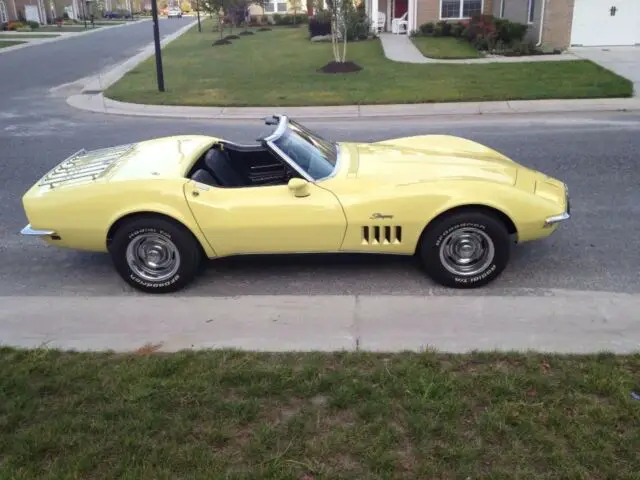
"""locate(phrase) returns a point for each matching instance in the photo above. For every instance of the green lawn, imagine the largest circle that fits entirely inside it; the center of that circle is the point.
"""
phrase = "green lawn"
(232, 415)
(445, 47)
(10, 43)
(279, 68)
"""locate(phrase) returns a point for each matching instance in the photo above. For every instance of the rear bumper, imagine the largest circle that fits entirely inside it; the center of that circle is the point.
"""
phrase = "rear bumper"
(36, 233)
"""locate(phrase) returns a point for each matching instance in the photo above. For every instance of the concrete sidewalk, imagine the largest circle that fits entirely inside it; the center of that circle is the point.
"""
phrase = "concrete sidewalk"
(400, 48)
(560, 321)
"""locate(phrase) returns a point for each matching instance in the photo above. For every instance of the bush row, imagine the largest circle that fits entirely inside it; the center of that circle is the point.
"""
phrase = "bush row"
(358, 26)
(14, 26)
(485, 32)
(278, 19)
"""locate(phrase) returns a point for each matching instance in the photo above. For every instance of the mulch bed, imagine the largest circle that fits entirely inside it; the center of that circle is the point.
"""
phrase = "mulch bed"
(340, 67)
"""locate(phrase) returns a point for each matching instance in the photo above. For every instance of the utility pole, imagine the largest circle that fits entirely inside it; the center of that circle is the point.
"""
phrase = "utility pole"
(198, 13)
(156, 41)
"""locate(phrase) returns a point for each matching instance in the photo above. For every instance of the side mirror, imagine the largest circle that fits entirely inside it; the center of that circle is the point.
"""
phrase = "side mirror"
(299, 187)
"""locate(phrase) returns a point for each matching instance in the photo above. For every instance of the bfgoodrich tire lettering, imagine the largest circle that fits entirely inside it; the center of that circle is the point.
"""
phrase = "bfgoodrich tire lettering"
(154, 254)
(467, 249)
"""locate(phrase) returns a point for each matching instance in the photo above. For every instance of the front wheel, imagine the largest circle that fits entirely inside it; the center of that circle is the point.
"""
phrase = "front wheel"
(155, 255)
(466, 249)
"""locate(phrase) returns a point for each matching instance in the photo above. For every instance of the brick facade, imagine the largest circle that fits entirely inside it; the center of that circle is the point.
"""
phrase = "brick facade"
(556, 26)
(558, 18)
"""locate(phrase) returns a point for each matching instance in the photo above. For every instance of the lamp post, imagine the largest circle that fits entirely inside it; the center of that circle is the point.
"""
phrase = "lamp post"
(156, 41)
(198, 13)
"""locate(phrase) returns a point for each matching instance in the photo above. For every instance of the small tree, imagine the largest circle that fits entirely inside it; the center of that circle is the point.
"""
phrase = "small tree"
(339, 11)
(219, 9)
(296, 6)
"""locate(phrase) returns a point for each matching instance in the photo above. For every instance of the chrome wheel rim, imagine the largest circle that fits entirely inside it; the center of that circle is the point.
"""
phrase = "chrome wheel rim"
(153, 257)
(467, 251)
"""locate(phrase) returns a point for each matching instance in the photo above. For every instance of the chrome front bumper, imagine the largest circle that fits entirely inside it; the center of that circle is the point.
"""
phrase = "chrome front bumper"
(566, 215)
(38, 233)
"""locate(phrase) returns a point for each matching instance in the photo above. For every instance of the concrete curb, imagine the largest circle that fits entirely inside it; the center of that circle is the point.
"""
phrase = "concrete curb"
(99, 104)
(66, 35)
(558, 321)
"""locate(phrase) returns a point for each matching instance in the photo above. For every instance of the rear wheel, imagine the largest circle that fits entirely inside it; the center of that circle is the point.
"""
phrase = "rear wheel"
(467, 249)
(155, 255)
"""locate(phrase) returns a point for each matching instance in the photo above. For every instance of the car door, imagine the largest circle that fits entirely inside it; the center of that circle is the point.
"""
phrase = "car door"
(267, 219)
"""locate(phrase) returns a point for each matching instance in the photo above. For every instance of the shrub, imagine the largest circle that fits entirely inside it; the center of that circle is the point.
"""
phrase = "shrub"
(426, 28)
(446, 28)
(457, 29)
(13, 26)
(284, 20)
(510, 32)
(358, 25)
(256, 20)
(320, 24)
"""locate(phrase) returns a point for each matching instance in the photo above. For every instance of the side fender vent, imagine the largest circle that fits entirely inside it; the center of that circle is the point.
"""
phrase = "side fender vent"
(381, 235)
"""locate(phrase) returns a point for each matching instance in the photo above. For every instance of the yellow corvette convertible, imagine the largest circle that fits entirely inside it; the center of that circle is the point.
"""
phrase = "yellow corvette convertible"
(160, 207)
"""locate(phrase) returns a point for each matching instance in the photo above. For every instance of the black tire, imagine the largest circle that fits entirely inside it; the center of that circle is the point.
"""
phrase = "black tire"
(480, 225)
(159, 229)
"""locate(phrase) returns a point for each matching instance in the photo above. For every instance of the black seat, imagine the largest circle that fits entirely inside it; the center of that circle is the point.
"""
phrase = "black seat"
(219, 165)
(202, 176)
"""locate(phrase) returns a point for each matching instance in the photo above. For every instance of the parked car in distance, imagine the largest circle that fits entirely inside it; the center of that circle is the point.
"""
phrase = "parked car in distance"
(174, 12)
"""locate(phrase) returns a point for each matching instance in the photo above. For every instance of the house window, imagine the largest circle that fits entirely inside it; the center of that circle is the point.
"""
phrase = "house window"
(532, 11)
(274, 6)
(4, 15)
(459, 8)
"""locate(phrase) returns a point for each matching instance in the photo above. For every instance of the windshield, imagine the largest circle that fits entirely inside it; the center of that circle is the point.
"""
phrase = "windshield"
(312, 153)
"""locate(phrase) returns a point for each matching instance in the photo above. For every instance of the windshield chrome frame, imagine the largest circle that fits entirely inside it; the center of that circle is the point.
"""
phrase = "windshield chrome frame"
(283, 126)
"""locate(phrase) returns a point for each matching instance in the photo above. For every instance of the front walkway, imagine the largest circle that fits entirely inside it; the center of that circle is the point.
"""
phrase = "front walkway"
(625, 61)
(400, 48)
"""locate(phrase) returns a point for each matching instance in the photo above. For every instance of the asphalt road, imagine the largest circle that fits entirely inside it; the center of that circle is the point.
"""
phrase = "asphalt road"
(597, 155)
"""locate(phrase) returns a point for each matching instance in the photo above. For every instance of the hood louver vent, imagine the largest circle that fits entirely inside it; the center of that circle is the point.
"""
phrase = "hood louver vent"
(381, 235)
(85, 166)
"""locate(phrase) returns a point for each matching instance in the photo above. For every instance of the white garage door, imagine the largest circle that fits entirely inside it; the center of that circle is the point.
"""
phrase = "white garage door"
(31, 13)
(606, 22)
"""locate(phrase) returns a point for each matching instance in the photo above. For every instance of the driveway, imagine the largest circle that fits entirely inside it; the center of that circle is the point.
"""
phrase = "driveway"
(624, 61)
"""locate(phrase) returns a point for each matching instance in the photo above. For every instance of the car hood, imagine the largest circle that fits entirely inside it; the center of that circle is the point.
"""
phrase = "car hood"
(430, 158)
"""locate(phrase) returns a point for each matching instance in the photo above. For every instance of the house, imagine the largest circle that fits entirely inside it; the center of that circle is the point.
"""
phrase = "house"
(552, 23)
(29, 10)
(282, 7)
(41, 11)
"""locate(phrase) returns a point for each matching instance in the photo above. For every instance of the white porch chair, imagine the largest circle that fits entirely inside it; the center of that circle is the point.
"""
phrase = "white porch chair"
(400, 25)
(378, 25)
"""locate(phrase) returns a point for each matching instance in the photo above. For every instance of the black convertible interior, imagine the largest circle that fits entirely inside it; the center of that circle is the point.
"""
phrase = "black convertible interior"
(227, 165)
